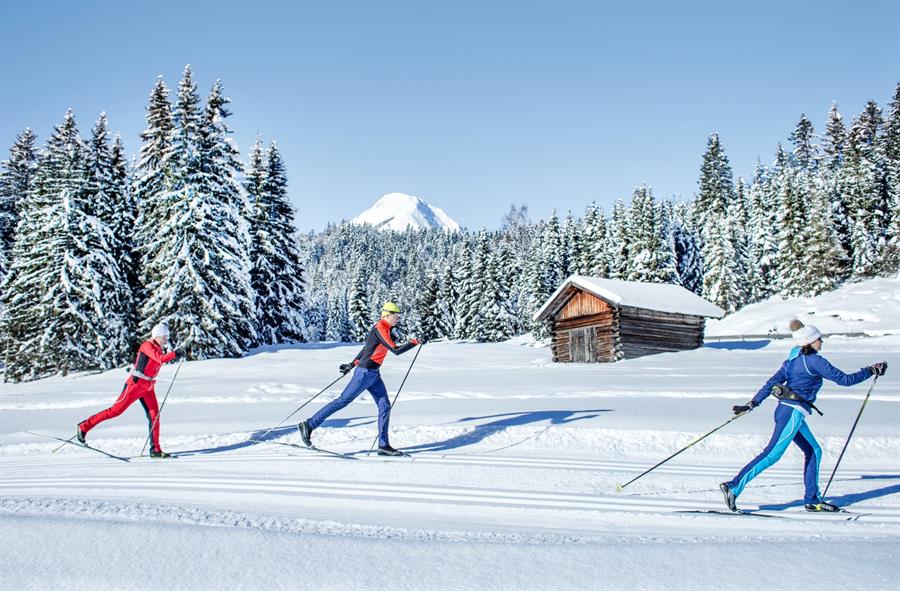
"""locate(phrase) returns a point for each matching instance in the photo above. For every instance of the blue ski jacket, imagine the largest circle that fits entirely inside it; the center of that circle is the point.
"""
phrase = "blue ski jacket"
(804, 373)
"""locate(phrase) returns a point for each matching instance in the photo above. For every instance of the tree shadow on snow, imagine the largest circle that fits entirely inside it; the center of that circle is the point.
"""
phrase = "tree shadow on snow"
(503, 421)
(842, 500)
(733, 345)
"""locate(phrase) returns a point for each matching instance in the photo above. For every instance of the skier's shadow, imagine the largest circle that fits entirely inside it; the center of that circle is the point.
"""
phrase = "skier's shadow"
(843, 500)
(264, 435)
(503, 421)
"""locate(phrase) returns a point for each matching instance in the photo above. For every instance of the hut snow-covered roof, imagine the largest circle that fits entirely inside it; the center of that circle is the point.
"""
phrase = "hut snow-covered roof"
(662, 297)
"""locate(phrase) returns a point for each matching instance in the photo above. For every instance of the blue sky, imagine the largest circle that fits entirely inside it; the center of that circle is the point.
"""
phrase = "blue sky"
(469, 105)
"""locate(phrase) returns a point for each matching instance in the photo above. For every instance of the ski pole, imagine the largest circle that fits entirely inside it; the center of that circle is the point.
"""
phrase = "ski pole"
(296, 410)
(619, 487)
(846, 443)
(159, 412)
(413, 362)
(56, 449)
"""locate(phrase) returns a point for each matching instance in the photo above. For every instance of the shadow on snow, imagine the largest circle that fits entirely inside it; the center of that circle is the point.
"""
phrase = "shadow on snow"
(503, 421)
(737, 345)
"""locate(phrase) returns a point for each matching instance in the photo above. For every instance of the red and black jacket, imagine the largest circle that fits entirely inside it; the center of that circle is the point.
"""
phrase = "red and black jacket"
(151, 357)
(378, 343)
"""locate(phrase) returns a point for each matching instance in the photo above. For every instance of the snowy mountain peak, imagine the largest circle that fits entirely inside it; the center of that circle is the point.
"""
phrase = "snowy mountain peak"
(397, 211)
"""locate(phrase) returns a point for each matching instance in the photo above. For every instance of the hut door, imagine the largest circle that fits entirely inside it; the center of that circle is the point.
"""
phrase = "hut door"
(580, 344)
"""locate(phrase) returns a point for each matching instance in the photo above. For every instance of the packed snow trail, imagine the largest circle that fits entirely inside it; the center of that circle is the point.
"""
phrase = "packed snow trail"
(510, 483)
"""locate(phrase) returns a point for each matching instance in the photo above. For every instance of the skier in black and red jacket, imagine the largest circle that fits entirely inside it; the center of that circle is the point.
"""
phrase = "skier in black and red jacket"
(366, 376)
(139, 386)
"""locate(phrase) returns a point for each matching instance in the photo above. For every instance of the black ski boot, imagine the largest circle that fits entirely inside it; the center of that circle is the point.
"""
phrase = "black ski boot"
(387, 450)
(80, 435)
(305, 433)
(821, 507)
(729, 497)
(158, 453)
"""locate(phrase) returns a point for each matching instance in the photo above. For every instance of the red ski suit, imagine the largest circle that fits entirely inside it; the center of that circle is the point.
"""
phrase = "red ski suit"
(149, 359)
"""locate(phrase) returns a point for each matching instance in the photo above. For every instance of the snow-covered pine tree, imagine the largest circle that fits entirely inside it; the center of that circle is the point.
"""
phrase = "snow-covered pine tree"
(594, 260)
(642, 235)
(572, 246)
(618, 239)
(151, 175)
(762, 237)
(359, 315)
(824, 257)
(59, 317)
(688, 264)
(106, 197)
(721, 275)
(337, 324)
(863, 182)
(121, 222)
(16, 180)
(553, 251)
(891, 152)
(835, 138)
(154, 168)
(535, 282)
(806, 150)
(793, 233)
(277, 273)
(720, 280)
(665, 270)
(716, 185)
(498, 323)
(193, 244)
(739, 212)
(428, 309)
(474, 297)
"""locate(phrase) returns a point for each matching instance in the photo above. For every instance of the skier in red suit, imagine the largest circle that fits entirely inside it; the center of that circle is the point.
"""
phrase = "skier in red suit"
(139, 386)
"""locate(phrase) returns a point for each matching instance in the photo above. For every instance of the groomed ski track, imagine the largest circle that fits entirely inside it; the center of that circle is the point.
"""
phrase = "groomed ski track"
(175, 479)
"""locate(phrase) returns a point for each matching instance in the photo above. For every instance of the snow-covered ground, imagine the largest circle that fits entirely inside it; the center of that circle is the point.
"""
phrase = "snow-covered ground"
(511, 483)
(871, 307)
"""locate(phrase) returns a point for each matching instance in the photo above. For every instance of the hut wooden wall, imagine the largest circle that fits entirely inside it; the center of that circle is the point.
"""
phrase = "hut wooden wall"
(644, 332)
(586, 316)
(613, 333)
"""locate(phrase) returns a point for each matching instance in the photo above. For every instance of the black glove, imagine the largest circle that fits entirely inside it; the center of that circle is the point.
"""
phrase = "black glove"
(178, 356)
(345, 367)
(878, 369)
(740, 409)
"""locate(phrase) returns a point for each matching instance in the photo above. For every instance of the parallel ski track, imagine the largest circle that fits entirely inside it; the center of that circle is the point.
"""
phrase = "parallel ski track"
(553, 463)
(497, 497)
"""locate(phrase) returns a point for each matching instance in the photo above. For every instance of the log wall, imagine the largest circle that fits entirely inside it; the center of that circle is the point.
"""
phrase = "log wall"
(612, 333)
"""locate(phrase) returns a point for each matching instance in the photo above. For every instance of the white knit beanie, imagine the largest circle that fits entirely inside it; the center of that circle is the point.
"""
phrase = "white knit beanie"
(160, 330)
(806, 335)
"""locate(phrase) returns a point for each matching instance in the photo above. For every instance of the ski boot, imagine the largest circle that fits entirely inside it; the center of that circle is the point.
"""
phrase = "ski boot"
(158, 453)
(729, 497)
(80, 435)
(305, 433)
(387, 450)
(821, 507)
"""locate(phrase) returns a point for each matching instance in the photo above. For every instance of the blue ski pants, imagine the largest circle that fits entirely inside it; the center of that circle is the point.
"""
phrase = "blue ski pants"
(362, 379)
(790, 425)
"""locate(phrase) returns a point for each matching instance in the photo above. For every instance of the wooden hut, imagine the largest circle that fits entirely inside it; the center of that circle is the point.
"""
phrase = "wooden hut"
(596, 319)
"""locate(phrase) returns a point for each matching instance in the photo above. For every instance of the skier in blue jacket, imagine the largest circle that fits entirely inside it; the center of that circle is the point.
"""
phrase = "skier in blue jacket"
(796, 384)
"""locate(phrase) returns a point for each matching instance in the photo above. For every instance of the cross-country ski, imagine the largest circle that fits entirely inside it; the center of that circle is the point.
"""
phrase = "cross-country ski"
(72, 441)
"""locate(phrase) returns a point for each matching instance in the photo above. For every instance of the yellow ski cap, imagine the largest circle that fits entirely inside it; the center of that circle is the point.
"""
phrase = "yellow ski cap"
(390, 308)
